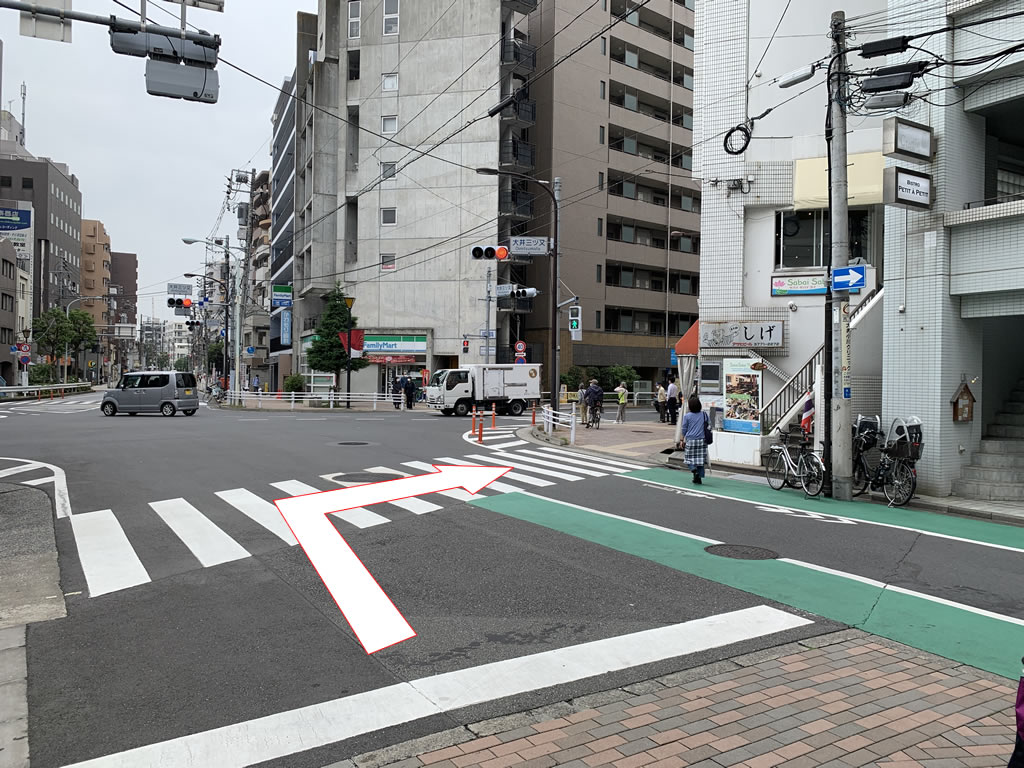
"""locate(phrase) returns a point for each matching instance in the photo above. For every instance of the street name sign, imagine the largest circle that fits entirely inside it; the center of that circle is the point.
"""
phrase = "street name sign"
(845, 278)
(179, 289)
(528, 246)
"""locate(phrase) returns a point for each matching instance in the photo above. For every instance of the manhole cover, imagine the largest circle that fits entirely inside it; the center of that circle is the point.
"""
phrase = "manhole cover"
(364, 477)
(352, 442)
(741, 552)
(641, 431)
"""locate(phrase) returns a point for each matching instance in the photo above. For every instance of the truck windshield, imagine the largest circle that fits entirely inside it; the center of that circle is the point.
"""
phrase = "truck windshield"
(437, 378)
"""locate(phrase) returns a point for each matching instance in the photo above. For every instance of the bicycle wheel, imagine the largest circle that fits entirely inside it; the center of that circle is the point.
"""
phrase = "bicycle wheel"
(861, 478)
(597, 419)
(812, 473)
(776, 470)
(899, 484)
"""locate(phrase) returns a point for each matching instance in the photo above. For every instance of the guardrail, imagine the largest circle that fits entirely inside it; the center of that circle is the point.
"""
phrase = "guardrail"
(289, 400)
(552, 420)
(44, 390)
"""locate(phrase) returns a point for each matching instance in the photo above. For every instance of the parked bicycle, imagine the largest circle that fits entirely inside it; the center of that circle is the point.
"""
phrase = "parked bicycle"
(895, 474)
(808, 468)
(215, 397)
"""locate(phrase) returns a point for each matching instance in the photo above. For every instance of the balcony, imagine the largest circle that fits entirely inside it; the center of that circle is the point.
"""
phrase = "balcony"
(518, 205)
(517, 306)
(521, 6)
(516, 155)
(521, 114)
(518, 58)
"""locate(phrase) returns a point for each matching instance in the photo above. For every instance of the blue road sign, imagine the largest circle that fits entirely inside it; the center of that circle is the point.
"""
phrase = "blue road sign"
(250, 350)
(223, 332)
(673, 358)
(845, 278)
(846, 393)
(520, 360)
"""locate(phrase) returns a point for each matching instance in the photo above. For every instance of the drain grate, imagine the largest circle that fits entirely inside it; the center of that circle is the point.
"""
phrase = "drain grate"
(741, 552)
(352, 442)
(641, 432)
(364, 477)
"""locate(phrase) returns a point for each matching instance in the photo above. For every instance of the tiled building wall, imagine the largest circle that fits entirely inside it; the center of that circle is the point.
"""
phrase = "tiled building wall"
(928, 348)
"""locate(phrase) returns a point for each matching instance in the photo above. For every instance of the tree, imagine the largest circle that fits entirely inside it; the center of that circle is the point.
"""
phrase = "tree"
(181, 364)
(51, 331)
(215, 354)
(163, 361)
(573, 377)
(82, 331)
(614, 375)
(327, 353)
(294, 383)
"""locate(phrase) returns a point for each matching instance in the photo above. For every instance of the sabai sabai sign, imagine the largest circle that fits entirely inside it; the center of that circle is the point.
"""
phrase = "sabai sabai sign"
(913, 142)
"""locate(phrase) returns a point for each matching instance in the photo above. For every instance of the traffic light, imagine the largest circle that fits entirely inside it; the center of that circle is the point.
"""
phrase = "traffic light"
(524, 293)
(179, 303)
(576, 323)
(465, 347)
(499, 252)
(193, 323)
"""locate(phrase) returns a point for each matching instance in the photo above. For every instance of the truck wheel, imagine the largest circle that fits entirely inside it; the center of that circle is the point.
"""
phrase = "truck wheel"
(516, 408)
(462, 409)
(447, 411)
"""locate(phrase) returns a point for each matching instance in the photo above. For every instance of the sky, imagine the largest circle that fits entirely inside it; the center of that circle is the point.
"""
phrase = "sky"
(152, 169)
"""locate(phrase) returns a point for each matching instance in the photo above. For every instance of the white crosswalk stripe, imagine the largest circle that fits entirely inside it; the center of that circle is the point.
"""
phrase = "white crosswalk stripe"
(110, 562)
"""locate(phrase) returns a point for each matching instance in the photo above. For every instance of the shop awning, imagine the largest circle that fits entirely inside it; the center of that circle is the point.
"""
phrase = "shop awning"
(689, 344)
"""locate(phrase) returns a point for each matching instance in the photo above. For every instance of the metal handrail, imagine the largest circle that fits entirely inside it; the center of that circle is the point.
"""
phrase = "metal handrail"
(798, 385)
(45, 388)
(553, 419)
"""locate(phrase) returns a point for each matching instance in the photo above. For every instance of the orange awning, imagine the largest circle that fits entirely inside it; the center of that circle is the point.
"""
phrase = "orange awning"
(690, 342)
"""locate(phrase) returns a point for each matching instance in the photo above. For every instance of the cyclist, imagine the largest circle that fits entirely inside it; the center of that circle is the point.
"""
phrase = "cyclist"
(594, 398)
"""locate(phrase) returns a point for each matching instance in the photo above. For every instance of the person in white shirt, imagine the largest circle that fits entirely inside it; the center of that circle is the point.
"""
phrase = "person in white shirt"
(662, 401)
(673, 401)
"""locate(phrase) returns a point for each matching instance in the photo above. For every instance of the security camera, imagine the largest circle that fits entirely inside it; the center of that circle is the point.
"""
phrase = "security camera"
(792, 306)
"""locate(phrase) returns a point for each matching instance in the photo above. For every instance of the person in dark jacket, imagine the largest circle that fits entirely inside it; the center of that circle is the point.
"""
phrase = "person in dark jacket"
(410, 393)
(396, 393)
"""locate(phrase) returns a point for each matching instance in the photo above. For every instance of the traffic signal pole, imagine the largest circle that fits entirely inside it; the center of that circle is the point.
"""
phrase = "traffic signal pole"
(556, 197)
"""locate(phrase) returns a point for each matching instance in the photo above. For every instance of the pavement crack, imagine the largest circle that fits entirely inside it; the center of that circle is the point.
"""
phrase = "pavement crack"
(892, 575)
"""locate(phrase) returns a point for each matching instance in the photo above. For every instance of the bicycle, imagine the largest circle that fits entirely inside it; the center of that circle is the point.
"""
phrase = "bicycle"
(808, 467)
(594, 416)
(215, 397)
(895, 474)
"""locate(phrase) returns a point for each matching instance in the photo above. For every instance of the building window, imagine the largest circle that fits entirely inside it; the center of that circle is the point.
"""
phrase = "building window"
(388, 170)
(390, 17)
(26, 182)
(389, 124)
(353, 19)
(353, 64)
(604, 45)
(600, 180)
(600, 229)
(387, 261)
(599, 270)
(601, 89)
(597, 319)
(7, 302)
(600, 134)
(5, 181)
(389, 81)
(802, 238)
(388, 216)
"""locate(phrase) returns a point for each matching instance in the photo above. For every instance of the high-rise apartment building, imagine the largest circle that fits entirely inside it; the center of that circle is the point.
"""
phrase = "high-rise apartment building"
(282, 218)
(124, 277)
(615, 123)
(96, 272)
(256, 307)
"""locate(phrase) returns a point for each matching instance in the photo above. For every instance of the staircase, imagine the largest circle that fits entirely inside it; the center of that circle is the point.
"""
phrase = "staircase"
(996, 471)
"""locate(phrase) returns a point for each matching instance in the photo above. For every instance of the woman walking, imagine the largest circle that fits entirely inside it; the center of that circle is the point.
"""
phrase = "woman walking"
(695, 450)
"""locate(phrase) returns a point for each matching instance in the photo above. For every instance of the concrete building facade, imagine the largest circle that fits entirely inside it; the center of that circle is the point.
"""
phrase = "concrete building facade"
(124, 276)
(96, 273)
(282, 218)
(256, 310)
(9, 365)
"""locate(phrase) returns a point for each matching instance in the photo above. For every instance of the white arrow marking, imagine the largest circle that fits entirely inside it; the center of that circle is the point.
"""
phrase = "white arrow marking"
(375, 620)
(848, 277)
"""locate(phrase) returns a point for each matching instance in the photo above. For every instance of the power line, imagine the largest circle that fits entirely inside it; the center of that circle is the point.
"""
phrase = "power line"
(770, 41)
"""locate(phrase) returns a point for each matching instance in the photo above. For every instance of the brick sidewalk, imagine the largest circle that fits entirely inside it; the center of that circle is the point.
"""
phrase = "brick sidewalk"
(837, 701)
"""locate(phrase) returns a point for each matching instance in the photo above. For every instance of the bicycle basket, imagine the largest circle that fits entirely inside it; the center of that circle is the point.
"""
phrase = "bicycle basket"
(907, 439)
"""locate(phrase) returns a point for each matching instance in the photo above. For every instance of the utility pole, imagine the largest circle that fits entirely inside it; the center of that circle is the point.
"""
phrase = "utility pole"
(556, 193)
(487, 320)
(837, 312)
(227, 309)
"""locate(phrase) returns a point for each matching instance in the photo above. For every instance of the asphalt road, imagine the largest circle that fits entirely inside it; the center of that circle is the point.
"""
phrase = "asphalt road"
(192, 617)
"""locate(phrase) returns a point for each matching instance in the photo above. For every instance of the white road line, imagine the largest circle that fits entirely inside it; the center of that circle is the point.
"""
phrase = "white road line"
(358, 516)
(27, 467)
(595, 463)
(618, 462)
(499, 446)
(316, 418)
(205, 540)
(253, 419)
(517, 476)
(458, 494)
(107, 557)
(505, 462)
(547, 463)
(259, 510)
(39, 480)
(287, 733)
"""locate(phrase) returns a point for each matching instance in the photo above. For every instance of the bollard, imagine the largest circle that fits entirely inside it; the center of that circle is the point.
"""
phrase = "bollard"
(480, 433)
(259, 398)
(39, 394)
(375, 400)
(293, 401)
(62, 393)
(51, 394)
(534, 415)
(572, 426)
(330, 399)
(494, 418)
(472, 429)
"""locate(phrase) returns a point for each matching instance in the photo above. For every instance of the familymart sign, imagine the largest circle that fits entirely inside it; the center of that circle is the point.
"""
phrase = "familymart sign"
(394, 345)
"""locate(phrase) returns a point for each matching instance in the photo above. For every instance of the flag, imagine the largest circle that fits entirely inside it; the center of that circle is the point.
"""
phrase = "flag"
(807, 419)
(357, 342)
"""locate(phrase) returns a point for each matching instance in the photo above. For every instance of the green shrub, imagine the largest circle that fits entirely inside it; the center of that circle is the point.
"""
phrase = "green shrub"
(294, 383)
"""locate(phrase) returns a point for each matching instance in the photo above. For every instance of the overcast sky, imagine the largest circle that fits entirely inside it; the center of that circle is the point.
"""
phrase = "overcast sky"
(152, 169)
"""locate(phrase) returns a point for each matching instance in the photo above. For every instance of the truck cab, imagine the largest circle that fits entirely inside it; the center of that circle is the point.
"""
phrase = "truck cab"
(450, 391)
(506, 388)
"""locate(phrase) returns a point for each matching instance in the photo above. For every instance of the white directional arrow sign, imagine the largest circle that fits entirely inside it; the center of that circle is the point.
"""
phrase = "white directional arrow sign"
(845, 278)
(366, 607)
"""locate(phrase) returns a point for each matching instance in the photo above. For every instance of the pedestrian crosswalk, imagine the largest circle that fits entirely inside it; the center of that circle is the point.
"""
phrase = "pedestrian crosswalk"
(56, 405)
(123, 548)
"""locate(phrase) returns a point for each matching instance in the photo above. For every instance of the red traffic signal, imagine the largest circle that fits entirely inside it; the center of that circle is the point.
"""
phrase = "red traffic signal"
(499, 252)
(186, 302)
(465, 347)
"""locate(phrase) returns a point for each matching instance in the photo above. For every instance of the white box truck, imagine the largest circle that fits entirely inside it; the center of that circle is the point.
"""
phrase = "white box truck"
(508, 388)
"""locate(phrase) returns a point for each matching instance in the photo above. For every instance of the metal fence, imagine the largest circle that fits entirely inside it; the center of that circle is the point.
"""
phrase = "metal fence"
(44, 390)
(291, 400)
(553, 420)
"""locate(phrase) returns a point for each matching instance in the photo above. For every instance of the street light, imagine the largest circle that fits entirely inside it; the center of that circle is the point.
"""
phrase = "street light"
(236, 384)
(553, 194)
(349, 301)
(222, 285)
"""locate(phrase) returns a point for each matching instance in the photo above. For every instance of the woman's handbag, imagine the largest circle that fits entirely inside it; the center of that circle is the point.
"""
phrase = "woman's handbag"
(709, 436)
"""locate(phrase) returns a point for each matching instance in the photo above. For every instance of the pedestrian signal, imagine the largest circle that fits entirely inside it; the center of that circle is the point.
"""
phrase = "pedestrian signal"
(576, 323)
(524, 293)
(465, 347)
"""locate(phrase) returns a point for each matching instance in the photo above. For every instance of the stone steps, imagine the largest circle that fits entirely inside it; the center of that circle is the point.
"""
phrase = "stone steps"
(998, 475)
(1010, 419)
(988, 491)
(1005, 430)
(1013, 407)
(991, 460)
(1001, 446)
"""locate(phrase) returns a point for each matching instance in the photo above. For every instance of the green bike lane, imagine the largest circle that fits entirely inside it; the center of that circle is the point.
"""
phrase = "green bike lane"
(950, 586)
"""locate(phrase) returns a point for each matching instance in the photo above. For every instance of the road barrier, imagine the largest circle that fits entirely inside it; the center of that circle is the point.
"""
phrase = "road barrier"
(289, 400)
(42, 390)
(555, 419)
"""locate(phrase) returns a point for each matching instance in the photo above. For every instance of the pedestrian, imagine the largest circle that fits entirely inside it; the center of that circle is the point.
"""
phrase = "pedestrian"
(1017, 758)
(662, 401)
(396, 393)
(255, 383)
(623, 393)
(673, 401)
(410, 394)
(695, 449)
(581, 397)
